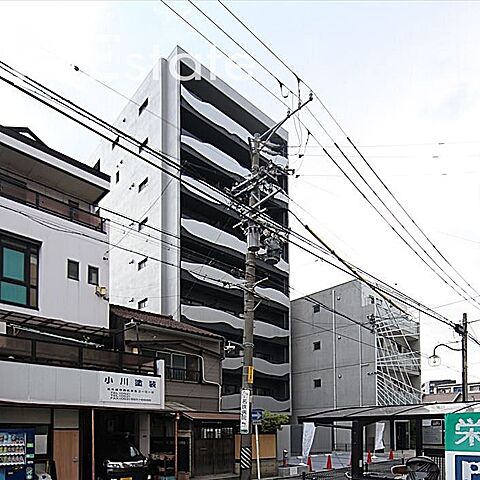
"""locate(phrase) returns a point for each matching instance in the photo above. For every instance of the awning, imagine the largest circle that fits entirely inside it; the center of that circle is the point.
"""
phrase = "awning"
(394, 412)
(213, 416)
(59, 326)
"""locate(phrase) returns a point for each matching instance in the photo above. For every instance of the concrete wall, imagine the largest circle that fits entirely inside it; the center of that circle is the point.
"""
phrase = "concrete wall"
(159, 200)
(344, 360)
(60, 297)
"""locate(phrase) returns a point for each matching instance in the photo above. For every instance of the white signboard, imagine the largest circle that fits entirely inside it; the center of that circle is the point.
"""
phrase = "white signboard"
(49, 385)
(245, 411)
(126, 388)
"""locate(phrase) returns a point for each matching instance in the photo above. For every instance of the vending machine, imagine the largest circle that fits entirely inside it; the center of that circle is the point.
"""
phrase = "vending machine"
(17, 454)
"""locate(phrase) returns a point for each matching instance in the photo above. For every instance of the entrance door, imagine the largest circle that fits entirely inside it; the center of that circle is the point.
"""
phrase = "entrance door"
(65, 454)
(402, 434)
(213, 456)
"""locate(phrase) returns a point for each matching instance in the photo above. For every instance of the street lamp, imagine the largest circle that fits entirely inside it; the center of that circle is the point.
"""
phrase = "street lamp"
(435, 361)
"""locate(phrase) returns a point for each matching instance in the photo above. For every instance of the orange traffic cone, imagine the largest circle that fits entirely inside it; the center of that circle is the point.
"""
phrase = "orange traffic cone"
(329, 462)
(391, 456)
(369, 457)
(309, 463)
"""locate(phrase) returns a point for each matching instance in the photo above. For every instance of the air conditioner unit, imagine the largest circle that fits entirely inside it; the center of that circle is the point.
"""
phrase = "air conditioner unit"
(101, 291)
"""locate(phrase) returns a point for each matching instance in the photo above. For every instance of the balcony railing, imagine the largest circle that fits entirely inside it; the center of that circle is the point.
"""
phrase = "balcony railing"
(75, 356)
(20, 193)
(183, 374)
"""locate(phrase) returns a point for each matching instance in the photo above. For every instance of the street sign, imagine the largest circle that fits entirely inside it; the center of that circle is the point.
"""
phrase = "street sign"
(462, 446)
(245, 411)
(257, 415)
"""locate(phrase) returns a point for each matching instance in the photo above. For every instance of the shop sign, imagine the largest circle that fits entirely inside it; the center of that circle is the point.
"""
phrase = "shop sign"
(245, 411)
(462, 446)
(129, 389)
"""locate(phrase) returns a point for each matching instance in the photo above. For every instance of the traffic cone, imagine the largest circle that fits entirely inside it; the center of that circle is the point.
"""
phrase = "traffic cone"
(329, 462)
(309, 463)
(369, 457)
(391, 456)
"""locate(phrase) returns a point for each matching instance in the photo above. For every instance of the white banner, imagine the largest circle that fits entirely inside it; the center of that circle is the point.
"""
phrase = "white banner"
(245, 411)
(308, 436)
(379, 429)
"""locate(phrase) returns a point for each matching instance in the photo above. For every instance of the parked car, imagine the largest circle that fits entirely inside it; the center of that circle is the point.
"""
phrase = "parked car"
(119, 459)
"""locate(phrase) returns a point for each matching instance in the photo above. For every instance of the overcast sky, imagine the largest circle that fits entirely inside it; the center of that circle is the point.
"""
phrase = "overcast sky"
(400, 74)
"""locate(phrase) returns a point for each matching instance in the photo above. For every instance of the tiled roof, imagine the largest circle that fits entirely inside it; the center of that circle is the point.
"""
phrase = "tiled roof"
(158, 320)
(440, 397)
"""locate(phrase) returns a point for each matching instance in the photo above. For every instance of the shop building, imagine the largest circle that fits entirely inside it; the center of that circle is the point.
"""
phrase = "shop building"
(57, 387)
(193, 429)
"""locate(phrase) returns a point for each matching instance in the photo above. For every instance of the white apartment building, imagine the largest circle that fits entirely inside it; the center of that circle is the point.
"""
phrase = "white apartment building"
(181, 253)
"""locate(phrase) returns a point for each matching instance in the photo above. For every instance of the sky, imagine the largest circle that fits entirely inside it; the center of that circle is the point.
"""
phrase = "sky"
(401, 78)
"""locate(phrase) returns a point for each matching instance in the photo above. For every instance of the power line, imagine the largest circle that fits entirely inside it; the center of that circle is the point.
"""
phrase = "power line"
(105, 85)
(368, 165)
(166, 158)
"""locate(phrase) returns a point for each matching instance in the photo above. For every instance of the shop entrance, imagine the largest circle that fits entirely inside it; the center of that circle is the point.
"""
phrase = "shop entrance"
(402, 435)
(66, 453)
(213, 450)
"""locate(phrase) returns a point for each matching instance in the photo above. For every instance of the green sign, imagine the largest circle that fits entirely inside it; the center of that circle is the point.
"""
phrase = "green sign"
(462, 432)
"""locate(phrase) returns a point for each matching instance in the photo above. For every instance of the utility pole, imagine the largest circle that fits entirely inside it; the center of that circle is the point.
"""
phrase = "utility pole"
(462, 330)
(253, 244)
(464, 359)
(259, 177)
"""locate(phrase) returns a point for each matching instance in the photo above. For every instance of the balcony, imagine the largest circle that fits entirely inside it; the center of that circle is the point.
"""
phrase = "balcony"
(18, 192)
(77, 356)
(207, 315)
(183, 375)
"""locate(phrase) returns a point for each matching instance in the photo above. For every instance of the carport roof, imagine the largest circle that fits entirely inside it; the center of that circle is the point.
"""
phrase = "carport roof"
(374, 413)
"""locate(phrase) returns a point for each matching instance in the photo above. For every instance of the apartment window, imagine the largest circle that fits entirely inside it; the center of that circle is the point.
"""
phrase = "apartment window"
(142, 185)
(142, 224)
(142, 263)
(93, 275)
(142, 304)
(142, 107)
(316, 345)
(117, 176)
(317, 383)
(18, 272)
(73, 270)
(316, 308)
(143, 145)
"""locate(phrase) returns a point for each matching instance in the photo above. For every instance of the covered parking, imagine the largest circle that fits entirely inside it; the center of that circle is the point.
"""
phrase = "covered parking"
(357, 418)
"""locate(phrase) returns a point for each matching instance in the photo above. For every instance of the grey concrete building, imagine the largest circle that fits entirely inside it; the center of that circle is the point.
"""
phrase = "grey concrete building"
(189, 256)
(351, 348)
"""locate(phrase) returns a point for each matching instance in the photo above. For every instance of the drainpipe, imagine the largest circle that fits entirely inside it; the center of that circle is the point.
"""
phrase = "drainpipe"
(334, 354)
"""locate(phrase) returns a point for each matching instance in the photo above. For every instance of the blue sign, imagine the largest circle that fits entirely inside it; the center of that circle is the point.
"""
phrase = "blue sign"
(467, 467)
(257, 415)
